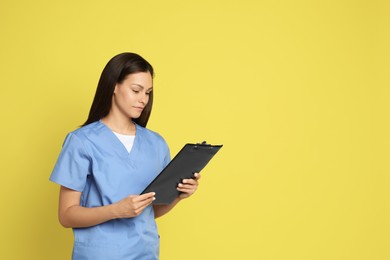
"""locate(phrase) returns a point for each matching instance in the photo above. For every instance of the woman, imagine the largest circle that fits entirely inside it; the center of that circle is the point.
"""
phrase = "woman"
(108, 161)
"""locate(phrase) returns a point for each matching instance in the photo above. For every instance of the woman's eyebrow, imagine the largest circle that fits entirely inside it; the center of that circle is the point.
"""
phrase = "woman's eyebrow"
(139, 85)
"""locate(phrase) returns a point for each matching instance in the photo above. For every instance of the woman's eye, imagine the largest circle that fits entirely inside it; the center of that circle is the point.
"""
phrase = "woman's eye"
(148, 93)
(135, 91)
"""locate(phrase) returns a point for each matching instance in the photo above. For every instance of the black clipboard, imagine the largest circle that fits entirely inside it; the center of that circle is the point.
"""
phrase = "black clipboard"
(190, 159)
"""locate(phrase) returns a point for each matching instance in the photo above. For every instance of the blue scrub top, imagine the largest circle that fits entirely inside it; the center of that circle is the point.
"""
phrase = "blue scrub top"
(95, 162)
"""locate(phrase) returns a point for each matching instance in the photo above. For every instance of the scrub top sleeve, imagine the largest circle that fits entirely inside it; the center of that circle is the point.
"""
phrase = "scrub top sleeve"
(73, 164)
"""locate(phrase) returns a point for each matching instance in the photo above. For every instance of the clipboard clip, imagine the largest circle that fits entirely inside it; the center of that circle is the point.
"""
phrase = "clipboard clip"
(204, 143)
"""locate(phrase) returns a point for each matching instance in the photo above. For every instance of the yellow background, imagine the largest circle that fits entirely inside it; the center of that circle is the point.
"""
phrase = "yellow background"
(297, 91)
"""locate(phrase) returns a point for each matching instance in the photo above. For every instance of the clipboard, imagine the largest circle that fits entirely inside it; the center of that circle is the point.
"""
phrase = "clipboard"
(190, 159)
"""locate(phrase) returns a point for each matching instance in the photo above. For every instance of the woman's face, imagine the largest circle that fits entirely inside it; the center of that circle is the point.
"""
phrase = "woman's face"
(132, 94)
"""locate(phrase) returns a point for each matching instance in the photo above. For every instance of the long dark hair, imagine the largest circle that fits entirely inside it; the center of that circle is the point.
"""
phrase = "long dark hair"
(114, 73)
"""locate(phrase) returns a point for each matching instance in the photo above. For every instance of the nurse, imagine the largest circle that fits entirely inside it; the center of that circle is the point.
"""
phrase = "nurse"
(105, 163)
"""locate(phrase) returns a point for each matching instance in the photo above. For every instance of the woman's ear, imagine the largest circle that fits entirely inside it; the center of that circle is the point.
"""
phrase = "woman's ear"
(116, 86)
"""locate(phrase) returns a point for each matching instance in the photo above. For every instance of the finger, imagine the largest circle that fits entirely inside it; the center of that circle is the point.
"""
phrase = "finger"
(140, 207)
(190, 181)
(143, 197)
(143, 203)
(187, 186)
(137, 202)
(187, 192)
(197, 176)
(186, 189)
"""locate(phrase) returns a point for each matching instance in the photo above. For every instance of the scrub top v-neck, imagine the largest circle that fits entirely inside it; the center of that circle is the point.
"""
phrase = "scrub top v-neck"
(118, 144)
(126, 140)
(94, 162)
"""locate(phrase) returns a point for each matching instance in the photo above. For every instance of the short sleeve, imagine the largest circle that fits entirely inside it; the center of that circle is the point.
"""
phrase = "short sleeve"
(73, 164)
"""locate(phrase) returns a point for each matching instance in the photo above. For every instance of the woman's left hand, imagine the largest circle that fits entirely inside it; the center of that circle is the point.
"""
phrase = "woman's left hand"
(188, 186)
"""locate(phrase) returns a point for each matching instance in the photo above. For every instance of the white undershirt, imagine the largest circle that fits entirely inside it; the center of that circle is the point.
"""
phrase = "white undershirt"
(127, 140)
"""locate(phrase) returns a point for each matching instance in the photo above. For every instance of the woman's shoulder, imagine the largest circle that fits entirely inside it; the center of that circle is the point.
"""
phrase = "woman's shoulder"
(87, 132)
(150, 134)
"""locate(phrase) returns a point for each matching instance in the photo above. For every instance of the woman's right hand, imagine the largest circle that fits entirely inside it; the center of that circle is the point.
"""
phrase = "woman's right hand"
(132, 205)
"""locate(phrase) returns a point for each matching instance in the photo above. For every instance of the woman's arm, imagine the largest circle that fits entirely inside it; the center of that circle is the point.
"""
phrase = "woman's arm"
(71, 214)
(187, 188)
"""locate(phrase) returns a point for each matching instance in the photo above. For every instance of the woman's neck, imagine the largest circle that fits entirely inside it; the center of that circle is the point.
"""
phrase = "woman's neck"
(120, 125)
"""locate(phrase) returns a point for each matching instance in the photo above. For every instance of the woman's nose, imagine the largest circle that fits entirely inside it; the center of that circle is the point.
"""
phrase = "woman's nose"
(143, 99)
